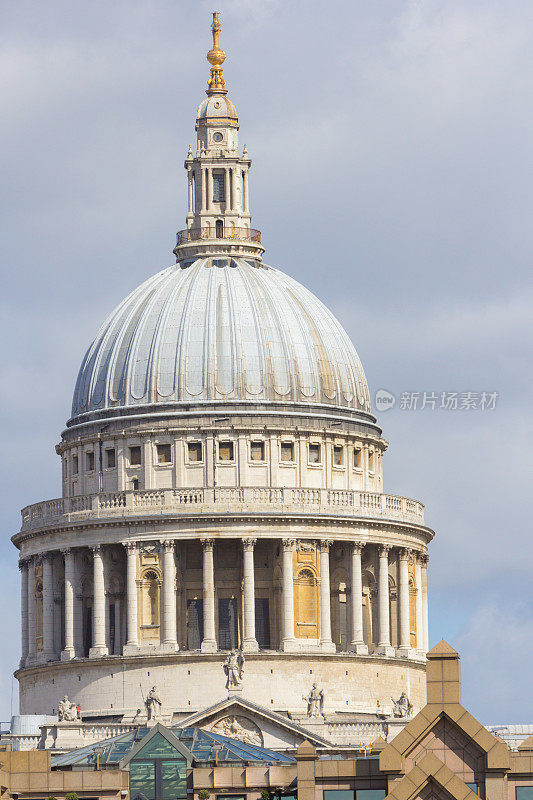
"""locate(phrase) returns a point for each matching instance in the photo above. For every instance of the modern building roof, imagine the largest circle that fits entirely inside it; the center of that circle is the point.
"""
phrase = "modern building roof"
(221, 329)
(205, 746)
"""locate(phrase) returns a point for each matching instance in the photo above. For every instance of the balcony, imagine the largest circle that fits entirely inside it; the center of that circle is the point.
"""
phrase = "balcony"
(220, 232)
(222, 500)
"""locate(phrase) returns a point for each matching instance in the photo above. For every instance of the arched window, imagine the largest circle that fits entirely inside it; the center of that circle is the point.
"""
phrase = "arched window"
(306, 604)
(219, 229)
(150, 593)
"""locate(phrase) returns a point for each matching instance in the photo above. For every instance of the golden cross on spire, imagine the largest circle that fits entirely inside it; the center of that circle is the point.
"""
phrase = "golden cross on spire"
(216, 58)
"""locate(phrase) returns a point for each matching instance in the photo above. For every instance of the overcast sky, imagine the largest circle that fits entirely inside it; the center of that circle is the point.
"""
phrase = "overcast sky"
(392, 160)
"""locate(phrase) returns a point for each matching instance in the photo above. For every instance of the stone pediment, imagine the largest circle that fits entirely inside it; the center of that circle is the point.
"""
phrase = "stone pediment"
(241, 719)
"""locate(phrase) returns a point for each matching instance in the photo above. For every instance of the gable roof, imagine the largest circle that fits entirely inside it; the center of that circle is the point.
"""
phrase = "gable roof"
(167, 734)
(431, 768)
(199, 718)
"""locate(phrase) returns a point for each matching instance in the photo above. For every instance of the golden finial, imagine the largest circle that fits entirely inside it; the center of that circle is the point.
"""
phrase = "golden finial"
(216, 58)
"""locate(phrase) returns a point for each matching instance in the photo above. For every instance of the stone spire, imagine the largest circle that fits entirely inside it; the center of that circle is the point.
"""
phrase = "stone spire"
(218, 214)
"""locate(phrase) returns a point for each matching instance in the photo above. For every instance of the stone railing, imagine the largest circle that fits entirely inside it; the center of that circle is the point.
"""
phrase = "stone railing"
(197, 234)
(249, 500)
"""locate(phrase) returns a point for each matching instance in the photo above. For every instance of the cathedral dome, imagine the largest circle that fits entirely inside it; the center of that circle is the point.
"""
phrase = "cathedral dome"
(216, 106)
(220, 330)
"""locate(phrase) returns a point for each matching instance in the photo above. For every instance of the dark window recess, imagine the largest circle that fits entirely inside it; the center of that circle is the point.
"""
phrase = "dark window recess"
(262, 622)
(227, 623)
(338, 456)
(75, 465)
(110, 458)
(314, 454)
(195, 451)
(164, 454)
(287, 451)
(89, 461)
(111, 628)
(195, 624)
(225, 451)
(135, 456)
(219, 187)
(357, 457)
(257, 450)
(88, 630)
(135, 484)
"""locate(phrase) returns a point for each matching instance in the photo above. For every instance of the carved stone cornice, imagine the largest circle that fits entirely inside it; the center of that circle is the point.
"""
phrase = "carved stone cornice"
(305, 546)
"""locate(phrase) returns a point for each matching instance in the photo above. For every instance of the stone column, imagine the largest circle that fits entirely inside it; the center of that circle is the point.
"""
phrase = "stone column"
(245, 192)
(227, 189)
(32, 644)
(48, 609)
(357, 644)
(23, 566)
(69, 652)
(99, 647)
(190, 188)
(288, 639)
(209, 642)
(249, 644)
(384, 645)
(208, 189)
(132, 636)
(169, 639)
(424, 558)
(326, 642)
(204, 191)
(404, 647)
(419, 614)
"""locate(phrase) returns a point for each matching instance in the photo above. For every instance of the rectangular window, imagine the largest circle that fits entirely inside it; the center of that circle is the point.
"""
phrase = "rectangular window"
(219, 193)
(195, 623)
(357, 457)
(225, 451)
(371, 461)
(338, 794)
(338, 456)
(314, 454)
(110, 458)
(524, 793)
(194, 450)
(287, 451)
(142, 778)
(135, 456)
(89, 461)
(262, 622)
(227, 623)
(75, 465)
(257, 451)
(370, 794)
(164, 454)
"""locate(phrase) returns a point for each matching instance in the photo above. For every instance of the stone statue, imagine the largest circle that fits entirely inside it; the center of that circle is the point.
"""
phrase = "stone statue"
(153, 704)
(234, 669)
(239, 728)
(315, 702)
(402, 707)
(67, 711)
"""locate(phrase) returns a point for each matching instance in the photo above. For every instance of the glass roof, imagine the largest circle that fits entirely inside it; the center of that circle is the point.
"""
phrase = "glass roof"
(205, 746)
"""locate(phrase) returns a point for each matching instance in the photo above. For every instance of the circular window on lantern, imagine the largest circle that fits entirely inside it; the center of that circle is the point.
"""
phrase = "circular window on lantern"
(217, 137)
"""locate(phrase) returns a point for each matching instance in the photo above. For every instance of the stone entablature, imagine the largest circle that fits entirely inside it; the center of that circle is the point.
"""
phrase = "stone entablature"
(238, 500)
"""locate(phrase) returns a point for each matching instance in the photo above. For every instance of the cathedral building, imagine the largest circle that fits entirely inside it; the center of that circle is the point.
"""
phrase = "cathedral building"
(223, 539)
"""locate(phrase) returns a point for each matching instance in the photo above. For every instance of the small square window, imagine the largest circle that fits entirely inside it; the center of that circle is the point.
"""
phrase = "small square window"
(257, 451)
(110, 458)
(89, 461)
(225, 451)
(75, 465)
(338, 456)
(314, 454)
(287, 451)
(194, 450)
(135, 456)
(164, 454)
(357, 457)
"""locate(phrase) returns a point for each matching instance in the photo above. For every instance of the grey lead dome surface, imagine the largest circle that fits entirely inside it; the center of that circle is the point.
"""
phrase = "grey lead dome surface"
(220, 333)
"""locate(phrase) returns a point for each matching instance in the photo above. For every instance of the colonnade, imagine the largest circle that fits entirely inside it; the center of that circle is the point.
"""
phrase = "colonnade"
(233, 200)
(168, 607)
